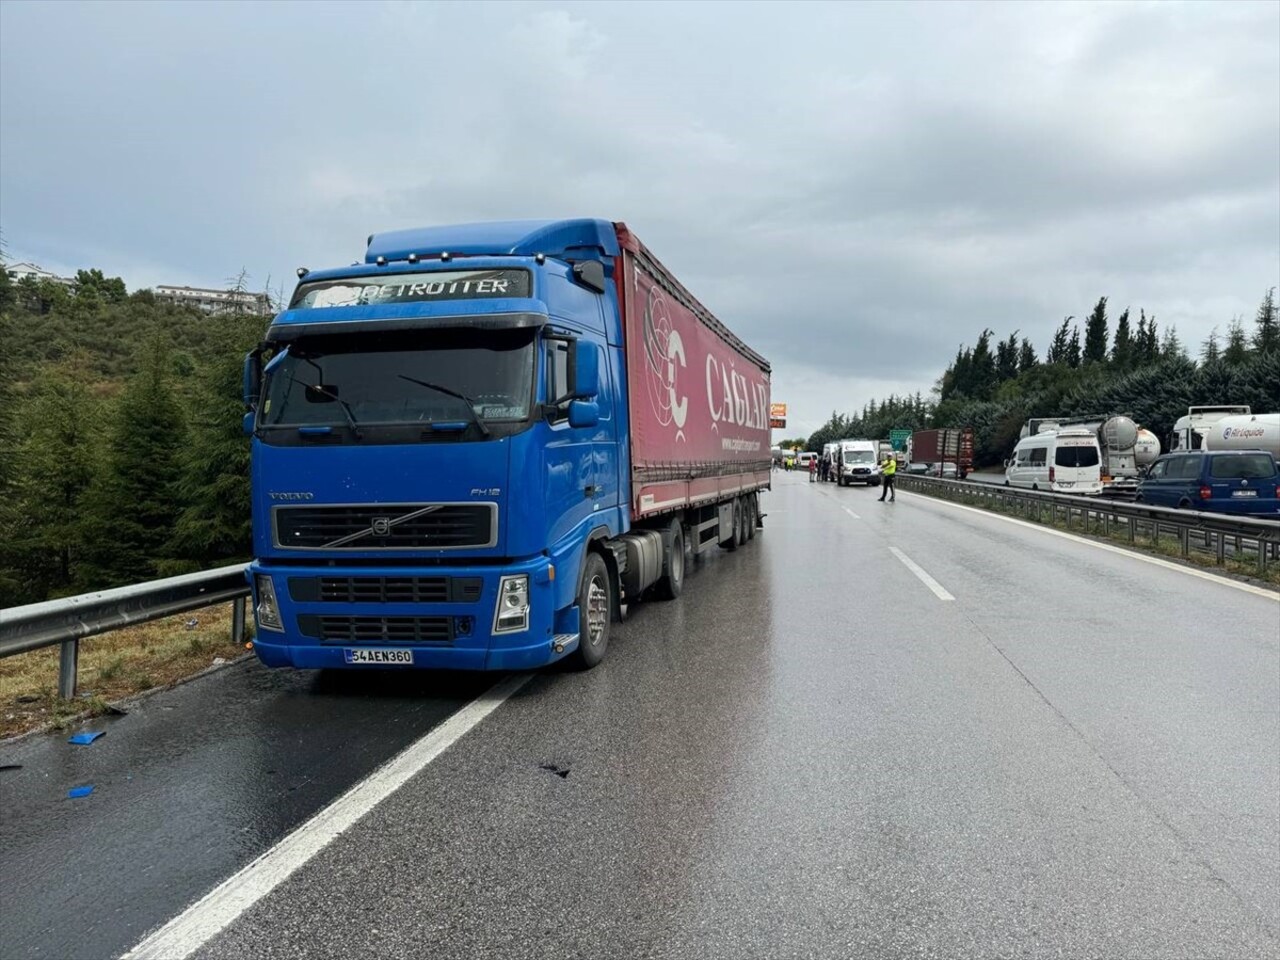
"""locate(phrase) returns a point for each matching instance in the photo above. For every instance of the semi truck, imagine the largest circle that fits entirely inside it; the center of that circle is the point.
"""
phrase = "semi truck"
(1125, 448)
(479, 446)
(1227, 428)
(949, 445)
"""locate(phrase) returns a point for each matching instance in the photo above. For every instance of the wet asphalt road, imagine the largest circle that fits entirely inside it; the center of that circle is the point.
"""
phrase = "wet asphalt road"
(809, 754)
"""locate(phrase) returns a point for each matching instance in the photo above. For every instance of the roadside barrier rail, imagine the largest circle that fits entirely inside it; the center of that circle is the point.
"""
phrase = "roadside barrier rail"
(69, 620)
(1239, 538)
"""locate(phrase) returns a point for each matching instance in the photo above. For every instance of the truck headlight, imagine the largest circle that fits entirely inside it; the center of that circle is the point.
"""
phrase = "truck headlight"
(512, 614)
(267, 610)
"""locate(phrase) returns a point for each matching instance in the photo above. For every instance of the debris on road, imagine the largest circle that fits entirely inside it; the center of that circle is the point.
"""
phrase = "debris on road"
(76, 793)
(87, 737)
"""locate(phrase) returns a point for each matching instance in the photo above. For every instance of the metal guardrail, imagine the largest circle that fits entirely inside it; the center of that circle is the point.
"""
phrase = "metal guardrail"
(1219, 534)
(69, 620)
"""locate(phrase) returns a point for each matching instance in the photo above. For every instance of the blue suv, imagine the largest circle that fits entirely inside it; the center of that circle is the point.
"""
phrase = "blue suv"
(1222, 481)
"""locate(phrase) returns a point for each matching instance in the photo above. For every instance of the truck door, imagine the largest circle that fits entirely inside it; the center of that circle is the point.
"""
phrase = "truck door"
(569, 458)
(604, 444)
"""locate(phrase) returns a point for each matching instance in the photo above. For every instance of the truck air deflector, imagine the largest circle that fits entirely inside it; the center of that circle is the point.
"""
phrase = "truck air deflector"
(582, 239)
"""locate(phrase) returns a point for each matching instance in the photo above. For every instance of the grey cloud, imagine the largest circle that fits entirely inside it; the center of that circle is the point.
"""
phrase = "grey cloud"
(854, 188)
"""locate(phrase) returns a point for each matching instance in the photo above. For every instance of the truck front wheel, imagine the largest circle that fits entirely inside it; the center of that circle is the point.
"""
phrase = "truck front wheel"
(595, 604)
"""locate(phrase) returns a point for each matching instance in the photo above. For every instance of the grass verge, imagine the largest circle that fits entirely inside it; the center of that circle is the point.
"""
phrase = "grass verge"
(113, 666)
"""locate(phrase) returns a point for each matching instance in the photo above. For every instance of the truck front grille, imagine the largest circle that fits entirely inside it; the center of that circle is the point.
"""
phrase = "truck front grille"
(387, 526)
(437, 630)
(385, 589)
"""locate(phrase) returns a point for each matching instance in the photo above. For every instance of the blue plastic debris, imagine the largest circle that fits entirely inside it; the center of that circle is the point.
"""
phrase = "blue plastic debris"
(87, 737)
(76, 792)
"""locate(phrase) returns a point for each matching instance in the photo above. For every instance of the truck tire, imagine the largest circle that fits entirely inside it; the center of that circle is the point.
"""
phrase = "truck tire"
(731, 542)
(671, 583)
(744, 519)
(753, 510)
(595, 606)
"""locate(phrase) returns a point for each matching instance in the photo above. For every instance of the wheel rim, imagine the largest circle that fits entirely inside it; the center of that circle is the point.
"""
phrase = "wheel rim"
(597, 610)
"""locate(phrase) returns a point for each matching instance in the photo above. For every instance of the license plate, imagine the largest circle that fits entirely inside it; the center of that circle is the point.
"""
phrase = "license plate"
(1244, 493)
(378, 657)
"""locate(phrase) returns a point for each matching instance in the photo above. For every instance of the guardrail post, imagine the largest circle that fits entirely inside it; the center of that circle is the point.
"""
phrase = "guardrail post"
(68, 663)
(1184, 541)
(1222, 549)
(237, 620)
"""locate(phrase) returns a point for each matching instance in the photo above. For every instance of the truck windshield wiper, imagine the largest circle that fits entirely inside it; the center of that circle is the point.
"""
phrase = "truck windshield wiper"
(471, 408)
(346, 407)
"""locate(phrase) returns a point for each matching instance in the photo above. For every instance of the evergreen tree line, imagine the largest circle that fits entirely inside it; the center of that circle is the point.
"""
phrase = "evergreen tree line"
(1134, 369)
(121, 453)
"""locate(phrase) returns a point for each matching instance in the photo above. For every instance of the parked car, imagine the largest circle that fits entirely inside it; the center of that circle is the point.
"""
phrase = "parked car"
(1226, 481)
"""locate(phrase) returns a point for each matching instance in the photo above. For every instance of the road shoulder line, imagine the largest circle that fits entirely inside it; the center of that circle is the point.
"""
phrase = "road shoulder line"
(208, 916)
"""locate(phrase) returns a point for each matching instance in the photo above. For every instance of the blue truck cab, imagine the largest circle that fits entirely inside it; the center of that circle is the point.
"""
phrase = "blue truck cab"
(439, 455)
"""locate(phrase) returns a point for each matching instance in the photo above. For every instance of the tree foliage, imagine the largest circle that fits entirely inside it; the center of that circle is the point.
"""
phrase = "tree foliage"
(1147, 376)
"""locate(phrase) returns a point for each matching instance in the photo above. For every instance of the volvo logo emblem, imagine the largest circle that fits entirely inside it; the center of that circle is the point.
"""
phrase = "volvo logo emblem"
(380, 526)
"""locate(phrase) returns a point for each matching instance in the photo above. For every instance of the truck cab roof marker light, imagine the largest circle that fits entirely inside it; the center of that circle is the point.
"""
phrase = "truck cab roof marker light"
(539, 258)
(381, 261)
(446, 256)
(302, 272)
(413, 258)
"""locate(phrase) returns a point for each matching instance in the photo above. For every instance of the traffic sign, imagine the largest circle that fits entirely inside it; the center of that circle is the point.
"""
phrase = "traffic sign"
(898, 439)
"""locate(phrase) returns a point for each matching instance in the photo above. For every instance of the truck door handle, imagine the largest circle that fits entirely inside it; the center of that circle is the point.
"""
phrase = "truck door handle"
(589, 490)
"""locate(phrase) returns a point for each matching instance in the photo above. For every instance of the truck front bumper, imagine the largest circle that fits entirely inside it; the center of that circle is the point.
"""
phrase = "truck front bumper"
(328, 612)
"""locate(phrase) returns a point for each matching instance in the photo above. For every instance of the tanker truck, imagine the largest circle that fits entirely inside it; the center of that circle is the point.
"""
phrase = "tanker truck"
(1125, 447)
(1188, 431)
(1258, 431)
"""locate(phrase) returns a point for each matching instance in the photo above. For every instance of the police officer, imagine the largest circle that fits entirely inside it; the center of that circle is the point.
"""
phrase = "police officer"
(888, 473)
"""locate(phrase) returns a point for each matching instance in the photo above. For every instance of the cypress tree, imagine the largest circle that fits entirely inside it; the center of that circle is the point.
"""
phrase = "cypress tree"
(1026, 356)
(1057, 352)
(1073, 348)
(1237, 349)
(214, 524)
(53, 468)
(1122, 348)
(135, 503)
(1266, 335)
(1171, 345)
(1095, 334)
(983, 368)
(1007, 358)
(1209, 350)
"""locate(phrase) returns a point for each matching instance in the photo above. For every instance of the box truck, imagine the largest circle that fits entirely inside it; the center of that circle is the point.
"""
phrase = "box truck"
(477, 447)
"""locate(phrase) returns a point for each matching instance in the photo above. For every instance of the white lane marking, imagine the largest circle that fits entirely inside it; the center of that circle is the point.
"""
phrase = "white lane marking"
(1132, 554)
(852, 514)
(204, 919)
(927, 580)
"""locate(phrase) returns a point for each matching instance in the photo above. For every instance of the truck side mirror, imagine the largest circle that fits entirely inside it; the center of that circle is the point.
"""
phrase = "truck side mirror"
(252, 378)
(584, 378)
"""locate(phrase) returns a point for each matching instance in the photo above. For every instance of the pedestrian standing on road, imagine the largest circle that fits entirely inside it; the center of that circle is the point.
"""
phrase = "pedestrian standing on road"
(888, 472)
(813, 470)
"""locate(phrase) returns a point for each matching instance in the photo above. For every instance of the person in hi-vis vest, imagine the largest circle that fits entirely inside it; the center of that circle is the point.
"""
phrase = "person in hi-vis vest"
(888, 472)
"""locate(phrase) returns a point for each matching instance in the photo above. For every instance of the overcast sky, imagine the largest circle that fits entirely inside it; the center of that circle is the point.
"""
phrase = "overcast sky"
(854, 188)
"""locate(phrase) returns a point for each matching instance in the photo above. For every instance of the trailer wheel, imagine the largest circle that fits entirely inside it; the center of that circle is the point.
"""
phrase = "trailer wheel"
(744, 511)
(670, 585)
(753, 511)
(595, 608)
(731, 542)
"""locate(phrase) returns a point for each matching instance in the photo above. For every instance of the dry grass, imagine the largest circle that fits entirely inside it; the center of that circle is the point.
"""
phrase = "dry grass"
(112, 666)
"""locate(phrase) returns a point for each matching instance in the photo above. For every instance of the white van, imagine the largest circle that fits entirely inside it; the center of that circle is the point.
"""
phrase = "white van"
(856, 463)
(1063, 461)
